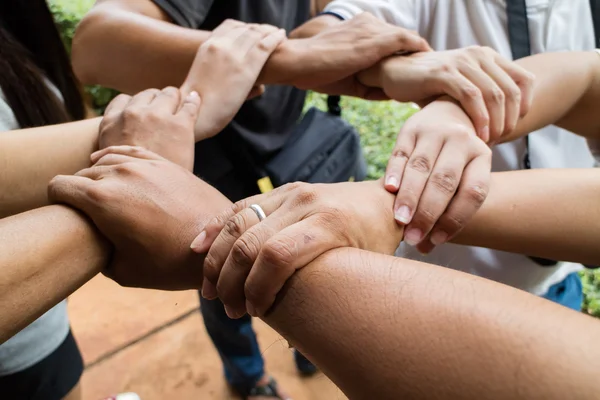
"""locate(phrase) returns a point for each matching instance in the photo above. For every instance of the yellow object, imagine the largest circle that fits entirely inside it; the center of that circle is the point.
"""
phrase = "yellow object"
(265, 185)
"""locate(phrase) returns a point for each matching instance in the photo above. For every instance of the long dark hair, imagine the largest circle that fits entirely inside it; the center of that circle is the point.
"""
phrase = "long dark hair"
(31, 51)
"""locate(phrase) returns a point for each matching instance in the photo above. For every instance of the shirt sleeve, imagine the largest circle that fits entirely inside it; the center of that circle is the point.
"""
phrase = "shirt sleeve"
(397, 12)
(186, 13)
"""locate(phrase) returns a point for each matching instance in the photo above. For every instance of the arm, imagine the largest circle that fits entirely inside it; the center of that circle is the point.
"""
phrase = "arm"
(46, 255)
(31, 157)
(565, 91)
(548, 213)
(412, 330)
(131, 46)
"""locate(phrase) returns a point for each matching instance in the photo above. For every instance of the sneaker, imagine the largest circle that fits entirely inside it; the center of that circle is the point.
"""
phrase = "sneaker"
(305, 367)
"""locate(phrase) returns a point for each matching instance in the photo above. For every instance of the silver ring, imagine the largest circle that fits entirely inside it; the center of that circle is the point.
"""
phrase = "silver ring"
(259, 211)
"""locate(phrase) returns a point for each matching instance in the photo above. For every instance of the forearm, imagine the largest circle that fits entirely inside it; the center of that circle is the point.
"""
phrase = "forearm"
(549, 213)
(32, 157)
(46, 255)
(566, 92)
(411, 330)
(128, 51)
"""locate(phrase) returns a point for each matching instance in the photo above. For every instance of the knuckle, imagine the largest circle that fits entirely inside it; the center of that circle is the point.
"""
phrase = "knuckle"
(470, 92)
(445, 182)
(99, 194)
(132, 114)
(279, 251)
(420, 163)
(211, 268)
(495, 95)
(234, 226)
(400, 153)
(476, 193)
(306, 194)
(245, 250)
(425, 215)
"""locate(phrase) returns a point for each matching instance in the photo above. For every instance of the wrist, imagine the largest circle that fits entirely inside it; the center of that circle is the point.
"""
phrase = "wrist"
(451, 110)
(283, 63)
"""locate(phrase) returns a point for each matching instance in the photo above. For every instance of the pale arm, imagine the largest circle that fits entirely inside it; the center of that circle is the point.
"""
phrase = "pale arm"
(31, 157)
(46, 255)
(566, 92)
(132, 46)
(549, 213)
(388, 328)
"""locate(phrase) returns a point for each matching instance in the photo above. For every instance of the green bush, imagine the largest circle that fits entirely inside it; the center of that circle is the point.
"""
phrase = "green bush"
(67, 15)
(377, 122)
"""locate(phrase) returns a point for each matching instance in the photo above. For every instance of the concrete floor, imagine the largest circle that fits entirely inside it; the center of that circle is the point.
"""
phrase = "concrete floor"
(154, 343)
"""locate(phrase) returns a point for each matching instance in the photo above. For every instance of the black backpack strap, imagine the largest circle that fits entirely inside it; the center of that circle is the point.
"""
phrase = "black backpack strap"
(518, 28)
(595, 7)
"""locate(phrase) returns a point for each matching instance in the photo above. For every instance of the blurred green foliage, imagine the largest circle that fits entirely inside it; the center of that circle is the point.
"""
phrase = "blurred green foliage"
(377, 122)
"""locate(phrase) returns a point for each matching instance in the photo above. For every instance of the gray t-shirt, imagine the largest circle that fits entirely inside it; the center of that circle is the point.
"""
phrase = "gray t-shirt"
(44, 335)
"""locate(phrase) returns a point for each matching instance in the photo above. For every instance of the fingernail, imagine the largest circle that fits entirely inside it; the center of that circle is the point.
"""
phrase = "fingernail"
(193, 94)
(251, 310)
(393, 182)
(485, 133)
(232, 313)
(402, 215)
(439, 237)
(209, 291)
(413, 236)
(197, 244)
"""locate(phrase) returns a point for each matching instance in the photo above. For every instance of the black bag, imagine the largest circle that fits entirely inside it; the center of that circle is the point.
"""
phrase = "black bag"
(323, 149)
(520, 46)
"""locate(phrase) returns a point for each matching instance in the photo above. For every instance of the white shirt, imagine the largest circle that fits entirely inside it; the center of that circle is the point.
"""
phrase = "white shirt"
(554, 25)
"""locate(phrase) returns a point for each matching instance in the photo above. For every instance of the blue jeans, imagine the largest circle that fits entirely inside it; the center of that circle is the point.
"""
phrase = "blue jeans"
(236, 343)
(568, 293)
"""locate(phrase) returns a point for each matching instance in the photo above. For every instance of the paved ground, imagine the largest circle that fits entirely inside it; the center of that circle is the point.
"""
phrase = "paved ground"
(154, 343)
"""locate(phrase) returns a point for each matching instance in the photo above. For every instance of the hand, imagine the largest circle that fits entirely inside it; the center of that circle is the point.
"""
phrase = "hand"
(155, 119)
(329, 61)
(493, 91)
(441, 171)
(226, 69)
(150, 209)
(249, 262)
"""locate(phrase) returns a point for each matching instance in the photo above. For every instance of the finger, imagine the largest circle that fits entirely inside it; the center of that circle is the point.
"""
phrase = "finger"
(262, 50)
(283, 254)
(254, 35)
(97, 172)
(190, 108)
(117, 105)
(405, 145)
(71, 190)
(256, 91)
(244, 253)
(132, 151)
(471, 99)
(226, 26)
(167, 99)
(472, 192)
(439, 191)
(523, 78)
(203, 242)
(493, 96)
(512, 97)
(415, 177)
(223, 245)
(143, 98)
(400, 40)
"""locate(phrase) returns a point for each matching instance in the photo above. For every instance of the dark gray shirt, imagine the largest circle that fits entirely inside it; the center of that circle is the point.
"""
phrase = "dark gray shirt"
(263, 125)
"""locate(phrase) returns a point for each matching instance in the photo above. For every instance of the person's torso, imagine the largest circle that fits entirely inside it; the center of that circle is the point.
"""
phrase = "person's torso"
(44, 335)
(263, 124)
(554, 25)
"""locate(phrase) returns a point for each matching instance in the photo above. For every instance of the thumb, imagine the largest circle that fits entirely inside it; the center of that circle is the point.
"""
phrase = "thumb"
(190, 108)
(71, 190)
